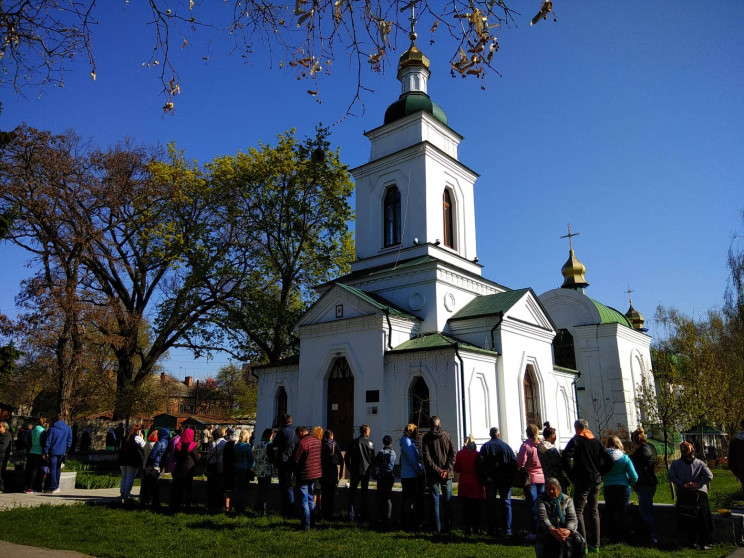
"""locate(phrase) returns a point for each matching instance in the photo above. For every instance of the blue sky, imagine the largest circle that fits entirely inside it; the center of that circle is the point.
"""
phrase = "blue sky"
(624, 118)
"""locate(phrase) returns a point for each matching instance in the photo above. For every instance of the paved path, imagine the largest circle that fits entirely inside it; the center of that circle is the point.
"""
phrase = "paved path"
(65, 497)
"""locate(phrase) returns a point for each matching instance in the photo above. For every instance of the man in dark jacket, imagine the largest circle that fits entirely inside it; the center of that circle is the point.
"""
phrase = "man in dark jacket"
(585, 460)
(358, 462)
(285, 442)
(6, 439)
(497, 464)
(438, 456)
(736, 455)
(58, 442)
(307, 464)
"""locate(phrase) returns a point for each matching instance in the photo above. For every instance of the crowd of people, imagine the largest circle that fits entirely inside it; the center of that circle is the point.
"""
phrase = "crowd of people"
(309, 463)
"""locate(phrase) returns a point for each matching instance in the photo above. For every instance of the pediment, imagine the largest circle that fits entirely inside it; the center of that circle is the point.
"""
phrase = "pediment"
(340, 302)
(528, 309)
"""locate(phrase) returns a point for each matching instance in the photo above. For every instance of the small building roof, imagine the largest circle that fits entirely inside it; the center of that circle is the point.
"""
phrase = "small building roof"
(609, 315)
(489, 305)
(436, 341)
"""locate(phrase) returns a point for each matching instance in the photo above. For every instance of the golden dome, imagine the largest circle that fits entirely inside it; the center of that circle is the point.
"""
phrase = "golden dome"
(412, 57)
(573, 273)
(635, 318)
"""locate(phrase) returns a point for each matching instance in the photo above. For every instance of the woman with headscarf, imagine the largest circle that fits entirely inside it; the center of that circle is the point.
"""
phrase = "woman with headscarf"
(186, 457)
(550, 456)
(557, 524)
(644, 461)
(529, 459)
(691, 478)
(470, 490)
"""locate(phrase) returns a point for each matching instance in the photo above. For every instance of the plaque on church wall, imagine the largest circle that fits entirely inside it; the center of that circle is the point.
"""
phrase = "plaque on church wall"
(339, 310)
(449, 302)
(334, 406)
(416, 301)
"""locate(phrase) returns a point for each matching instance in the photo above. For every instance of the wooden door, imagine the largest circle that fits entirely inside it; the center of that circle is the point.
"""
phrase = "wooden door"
(340, 410)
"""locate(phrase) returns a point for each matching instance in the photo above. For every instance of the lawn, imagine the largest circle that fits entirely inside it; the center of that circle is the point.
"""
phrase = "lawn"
(119, 532)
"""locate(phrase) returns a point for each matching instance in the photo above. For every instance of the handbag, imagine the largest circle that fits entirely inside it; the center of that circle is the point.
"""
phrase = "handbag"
(688, 504)
(521, 478)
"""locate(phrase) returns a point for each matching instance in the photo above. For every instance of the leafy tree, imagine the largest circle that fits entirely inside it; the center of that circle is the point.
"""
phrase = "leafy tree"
(236, 390)
(294, 200)
(40, 38)
(9, 356)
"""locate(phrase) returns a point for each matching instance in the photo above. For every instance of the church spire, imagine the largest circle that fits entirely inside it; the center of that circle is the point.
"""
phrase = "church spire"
(573, 270)
(413, 66)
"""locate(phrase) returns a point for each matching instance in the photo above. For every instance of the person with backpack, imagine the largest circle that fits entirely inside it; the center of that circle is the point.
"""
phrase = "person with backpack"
(155, 462)
(498, 464)
(382, 472)
(332, 465)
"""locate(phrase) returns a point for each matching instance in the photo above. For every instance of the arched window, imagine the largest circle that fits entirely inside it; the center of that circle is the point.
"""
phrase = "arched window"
(418, 396)
(391, 213)
(563, 349)
(531, 402)
(280, 405)
(448, 210)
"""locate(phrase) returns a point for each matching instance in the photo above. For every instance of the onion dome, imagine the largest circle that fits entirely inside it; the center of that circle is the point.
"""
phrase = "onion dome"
(635, 318)
(413, 73)
(573, 273)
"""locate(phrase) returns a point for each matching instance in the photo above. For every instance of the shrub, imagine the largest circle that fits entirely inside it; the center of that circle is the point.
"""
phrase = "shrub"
(91, 481)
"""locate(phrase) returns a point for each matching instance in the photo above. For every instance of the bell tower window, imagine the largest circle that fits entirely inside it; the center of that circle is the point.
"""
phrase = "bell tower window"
(448, 209)
(391, 212)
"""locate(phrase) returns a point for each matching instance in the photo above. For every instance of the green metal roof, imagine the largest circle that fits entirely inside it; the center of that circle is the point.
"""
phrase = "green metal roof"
(435, 341)
(377, 301)
(608, 315)
(412, 102)
(489, 305)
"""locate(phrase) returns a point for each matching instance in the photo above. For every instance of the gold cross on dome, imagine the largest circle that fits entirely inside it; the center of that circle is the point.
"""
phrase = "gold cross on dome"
(569, 236)
(629, 291)
(412, 6)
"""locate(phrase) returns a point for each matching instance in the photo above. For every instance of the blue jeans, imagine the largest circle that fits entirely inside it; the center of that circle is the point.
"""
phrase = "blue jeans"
(646, 507)
(504, 494)
(534, 491)
(307, 490)
(55, 470)
(446, 488)
(128, 474)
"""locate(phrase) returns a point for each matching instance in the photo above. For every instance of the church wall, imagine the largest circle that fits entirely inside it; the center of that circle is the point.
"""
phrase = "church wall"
(269, 381)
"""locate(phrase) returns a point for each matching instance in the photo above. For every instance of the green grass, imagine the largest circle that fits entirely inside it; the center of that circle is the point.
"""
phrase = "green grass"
(116, 532)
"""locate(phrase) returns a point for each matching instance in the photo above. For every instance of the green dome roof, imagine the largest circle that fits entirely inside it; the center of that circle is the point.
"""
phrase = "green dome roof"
(412, 102)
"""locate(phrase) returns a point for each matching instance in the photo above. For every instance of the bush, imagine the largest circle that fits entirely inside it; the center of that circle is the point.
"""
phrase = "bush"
(75, 465)
(91, 481)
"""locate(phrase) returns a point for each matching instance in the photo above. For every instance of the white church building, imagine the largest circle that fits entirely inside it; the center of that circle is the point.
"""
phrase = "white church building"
(415, 330)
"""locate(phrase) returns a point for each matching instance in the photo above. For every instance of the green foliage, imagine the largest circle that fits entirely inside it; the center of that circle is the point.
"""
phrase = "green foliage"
(9, 355)
(93, 481)
(234, 387)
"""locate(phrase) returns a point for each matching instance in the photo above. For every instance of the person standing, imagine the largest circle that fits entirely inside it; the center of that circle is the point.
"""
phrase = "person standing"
(585, 461)
(470, 490)
(498, 465)
(59, 440)
(35, 455)
(185, 458)
(243, 451)
(285, 442)
(131, 460)
(332, 465)
(385, 481)
(358, 462)
(529, 459)
(262, 451)
(644, 461)
(438, 455)
(736, 455)
(6, 442)
(411, 478)
(550, 457)
(149, 491)
(215, 466)
(119, 433)
(228, 466)
(307, 464)
(616, 483)
(691, 478)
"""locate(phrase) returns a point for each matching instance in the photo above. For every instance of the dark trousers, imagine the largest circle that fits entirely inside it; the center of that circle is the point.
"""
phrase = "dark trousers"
(617, 498)
(384, 498)
(358, 511)
(3, 469)
(149, 491)
(215, 499)
(263, 493)
(33, 462)
(413, 502)
(471, 518)
(182, 489)
(498, 502)
(328, 490)
(588, 495)
(286, 489)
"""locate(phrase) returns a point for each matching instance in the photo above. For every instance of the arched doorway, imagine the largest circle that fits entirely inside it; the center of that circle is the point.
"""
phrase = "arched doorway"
(531, 397)
(280, 406)
(418, 403)
(340, 408)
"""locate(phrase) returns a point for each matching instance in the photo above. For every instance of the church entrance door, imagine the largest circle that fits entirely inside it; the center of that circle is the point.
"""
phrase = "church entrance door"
(340, 410)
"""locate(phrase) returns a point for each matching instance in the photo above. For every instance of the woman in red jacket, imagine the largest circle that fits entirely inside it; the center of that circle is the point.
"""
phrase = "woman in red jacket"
(470, 490)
